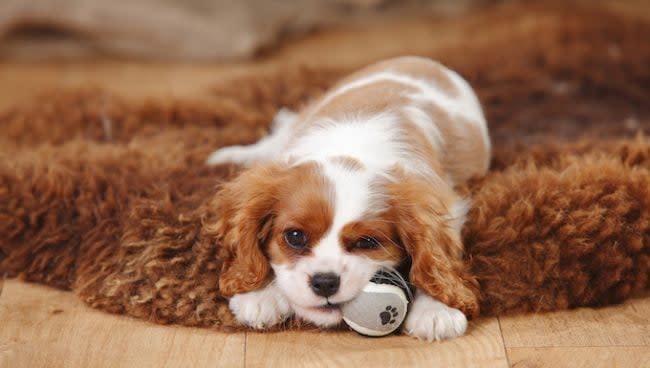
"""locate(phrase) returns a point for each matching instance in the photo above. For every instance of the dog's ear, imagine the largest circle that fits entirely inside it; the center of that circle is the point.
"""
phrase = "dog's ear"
(243, 208)
(430, 216)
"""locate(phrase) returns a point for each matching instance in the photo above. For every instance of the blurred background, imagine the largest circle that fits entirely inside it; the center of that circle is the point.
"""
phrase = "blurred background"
(189, 30)
(181, 47)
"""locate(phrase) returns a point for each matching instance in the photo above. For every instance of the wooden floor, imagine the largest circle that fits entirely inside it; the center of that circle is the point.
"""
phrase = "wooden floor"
(43, 327)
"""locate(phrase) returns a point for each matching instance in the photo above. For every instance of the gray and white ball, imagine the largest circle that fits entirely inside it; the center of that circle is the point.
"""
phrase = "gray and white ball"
(377, 311)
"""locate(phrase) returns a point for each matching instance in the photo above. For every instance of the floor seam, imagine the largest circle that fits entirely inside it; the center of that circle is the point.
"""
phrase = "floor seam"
(579, 346)
(245, 347)
(503, 341)
(2, 283)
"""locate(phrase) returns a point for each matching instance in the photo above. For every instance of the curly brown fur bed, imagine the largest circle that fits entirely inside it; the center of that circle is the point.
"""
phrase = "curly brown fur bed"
(106, 197)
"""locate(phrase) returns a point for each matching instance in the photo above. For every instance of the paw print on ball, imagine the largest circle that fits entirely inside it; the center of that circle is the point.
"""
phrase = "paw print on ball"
(388, 316)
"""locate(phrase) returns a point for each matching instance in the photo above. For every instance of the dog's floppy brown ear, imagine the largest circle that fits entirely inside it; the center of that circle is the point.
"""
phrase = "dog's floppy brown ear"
(429, 219)
(244, 212)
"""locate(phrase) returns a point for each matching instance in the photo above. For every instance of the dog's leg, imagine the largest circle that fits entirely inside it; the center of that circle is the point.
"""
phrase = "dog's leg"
(261, 308)
(266, 148)
(429, 319)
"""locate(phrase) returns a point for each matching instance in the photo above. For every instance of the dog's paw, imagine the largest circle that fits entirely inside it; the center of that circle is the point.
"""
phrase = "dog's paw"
(260, 309)
(430, 320)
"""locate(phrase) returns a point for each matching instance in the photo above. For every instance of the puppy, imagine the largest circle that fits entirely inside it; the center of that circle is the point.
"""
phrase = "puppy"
(361, 179)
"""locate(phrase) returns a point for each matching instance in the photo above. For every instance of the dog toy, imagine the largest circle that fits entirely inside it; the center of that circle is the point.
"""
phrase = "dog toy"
(381, 306)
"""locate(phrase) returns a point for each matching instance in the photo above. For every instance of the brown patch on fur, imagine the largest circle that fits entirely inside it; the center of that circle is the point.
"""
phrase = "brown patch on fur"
(420, 145)
(383, 229)
(255, 209)
(420, 68)
(348, 163)
(561, 220)
(246, 207)
(386, 96)
(465, 153)
(305, 203)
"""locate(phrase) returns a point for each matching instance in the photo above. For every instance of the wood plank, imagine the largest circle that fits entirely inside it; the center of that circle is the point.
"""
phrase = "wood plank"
(43, 327)
(579, 357)
(622, 325)
(481, 347)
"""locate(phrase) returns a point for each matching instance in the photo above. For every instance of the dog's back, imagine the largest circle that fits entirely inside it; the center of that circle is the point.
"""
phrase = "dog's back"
(435, 109)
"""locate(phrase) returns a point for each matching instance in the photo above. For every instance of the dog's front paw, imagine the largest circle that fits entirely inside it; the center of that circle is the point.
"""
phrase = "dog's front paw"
(260, 309)
(431, 320)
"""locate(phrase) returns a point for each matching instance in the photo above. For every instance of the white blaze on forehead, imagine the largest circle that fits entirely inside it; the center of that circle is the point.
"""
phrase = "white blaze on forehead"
(352, 193)
(352, 201)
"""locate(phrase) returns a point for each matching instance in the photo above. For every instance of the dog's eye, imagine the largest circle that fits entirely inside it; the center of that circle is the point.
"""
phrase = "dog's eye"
(295, 238)
(366, 242)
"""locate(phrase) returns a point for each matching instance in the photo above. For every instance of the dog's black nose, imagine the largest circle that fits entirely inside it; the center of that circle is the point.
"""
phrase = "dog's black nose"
(325, 284)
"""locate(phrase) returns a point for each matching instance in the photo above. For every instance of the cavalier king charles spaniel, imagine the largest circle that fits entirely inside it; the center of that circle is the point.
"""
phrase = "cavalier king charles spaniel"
(361, 179)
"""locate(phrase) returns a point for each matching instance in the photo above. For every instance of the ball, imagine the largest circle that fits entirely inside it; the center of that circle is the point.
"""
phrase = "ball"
(379, 309)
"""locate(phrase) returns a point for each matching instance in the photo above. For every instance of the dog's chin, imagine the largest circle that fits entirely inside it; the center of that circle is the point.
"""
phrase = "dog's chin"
(325, 316)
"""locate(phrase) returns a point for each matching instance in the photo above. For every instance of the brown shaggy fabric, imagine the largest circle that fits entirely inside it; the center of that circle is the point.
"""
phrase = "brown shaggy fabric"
(106, 197)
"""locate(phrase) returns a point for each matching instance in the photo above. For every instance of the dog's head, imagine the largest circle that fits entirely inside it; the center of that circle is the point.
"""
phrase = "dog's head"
(322, 231)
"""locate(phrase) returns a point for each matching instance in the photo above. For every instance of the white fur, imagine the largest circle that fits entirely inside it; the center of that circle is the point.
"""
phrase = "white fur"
(430, 320)
(458, 213)
(261, 308)
(374, 140)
